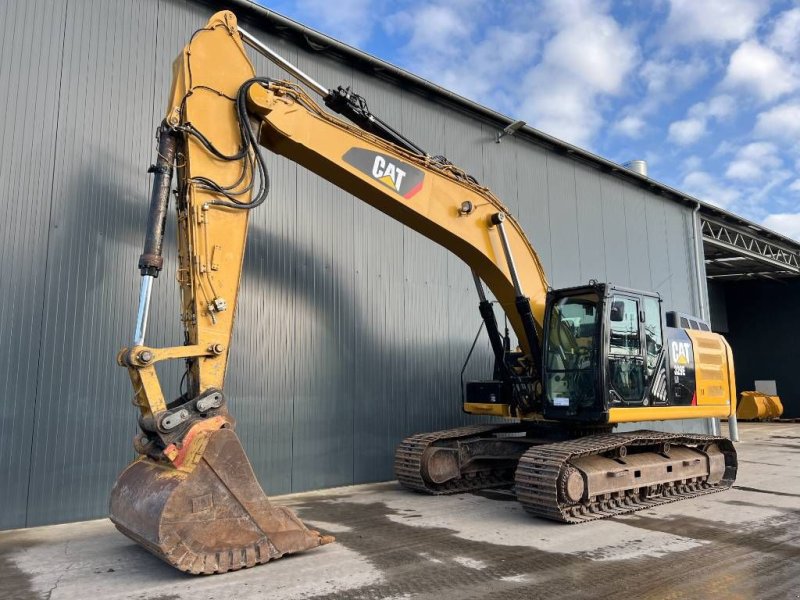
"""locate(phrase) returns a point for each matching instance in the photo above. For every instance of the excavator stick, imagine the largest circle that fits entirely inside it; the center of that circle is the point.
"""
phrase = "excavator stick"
(192, 498)
(212, 519)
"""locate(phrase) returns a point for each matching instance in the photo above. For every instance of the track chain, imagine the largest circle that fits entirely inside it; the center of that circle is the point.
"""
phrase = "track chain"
(408, 462)
(538, 471)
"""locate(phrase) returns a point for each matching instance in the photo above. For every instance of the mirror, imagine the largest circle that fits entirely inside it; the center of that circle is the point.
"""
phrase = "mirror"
(617, 310)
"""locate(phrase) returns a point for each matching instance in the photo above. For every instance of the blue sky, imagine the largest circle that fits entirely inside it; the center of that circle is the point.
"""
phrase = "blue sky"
(707, 91)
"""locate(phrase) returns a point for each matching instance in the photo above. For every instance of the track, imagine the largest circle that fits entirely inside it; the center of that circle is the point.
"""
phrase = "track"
(540, 471)
(408, 462)
(540, 467)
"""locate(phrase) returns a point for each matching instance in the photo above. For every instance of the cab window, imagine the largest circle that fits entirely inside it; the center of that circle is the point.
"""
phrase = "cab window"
(626, 372)
(652, 333)
(574, 325)
(624, 327)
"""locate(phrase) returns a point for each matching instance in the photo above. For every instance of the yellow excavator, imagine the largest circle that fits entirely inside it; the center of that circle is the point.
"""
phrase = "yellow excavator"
(588, 357)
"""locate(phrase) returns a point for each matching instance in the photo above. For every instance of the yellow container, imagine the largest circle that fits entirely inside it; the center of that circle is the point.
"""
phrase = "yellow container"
(755, 406)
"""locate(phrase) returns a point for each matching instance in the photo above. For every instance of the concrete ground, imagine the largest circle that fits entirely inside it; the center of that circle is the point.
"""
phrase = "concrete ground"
(743, 543)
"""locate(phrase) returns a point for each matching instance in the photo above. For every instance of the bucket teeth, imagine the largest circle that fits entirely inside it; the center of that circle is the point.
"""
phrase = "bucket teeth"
(213, 519)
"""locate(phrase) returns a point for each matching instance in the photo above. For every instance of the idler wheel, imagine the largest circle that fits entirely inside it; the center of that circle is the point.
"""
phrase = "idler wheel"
(572, 486)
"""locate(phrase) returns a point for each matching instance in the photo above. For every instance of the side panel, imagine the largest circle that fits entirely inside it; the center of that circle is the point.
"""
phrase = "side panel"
(563, 222)
(378, 410)
(637, 232)
(693, 356)
(682, 279)
(532, 197)
(711, 368)
(31, 40)
(591, 235)
(323, 320)
(681, 366)
(85, 421)
(615, 236)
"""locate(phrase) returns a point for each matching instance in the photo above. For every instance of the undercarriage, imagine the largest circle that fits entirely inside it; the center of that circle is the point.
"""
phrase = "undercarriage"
(568, 475)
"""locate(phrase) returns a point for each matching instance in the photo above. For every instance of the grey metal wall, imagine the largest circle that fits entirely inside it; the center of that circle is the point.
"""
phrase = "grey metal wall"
(351, 329)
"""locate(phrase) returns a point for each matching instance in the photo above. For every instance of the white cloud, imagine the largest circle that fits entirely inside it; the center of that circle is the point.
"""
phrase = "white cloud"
(753, 161)
(760, 71)
(668, 76)
(780, 122)
(435, 28)
(444, 44)
(653, 158)
(692, 163)
(588, 57)
(351, 21)
(785, 35)
(724, 148)
(583, 55)
(687, 131)
(631, 126)
(664, 78)
(795, 186)
(706, 187)
(714, 21)
(786, 223)
(719, 107)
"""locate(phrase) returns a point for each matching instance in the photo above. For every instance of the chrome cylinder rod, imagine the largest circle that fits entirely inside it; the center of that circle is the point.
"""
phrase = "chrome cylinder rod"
(479, 286)
(284, 64)
(145, 289)
(497, 220)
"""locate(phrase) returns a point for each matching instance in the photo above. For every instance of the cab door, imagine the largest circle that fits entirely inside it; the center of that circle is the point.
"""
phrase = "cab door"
(626, 367)
(634, 349)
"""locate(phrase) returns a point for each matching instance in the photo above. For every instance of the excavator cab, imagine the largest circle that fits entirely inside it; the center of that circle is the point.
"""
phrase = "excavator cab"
(603, 347)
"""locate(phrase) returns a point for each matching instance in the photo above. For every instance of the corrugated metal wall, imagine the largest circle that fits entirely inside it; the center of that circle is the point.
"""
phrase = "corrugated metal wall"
(351, 329)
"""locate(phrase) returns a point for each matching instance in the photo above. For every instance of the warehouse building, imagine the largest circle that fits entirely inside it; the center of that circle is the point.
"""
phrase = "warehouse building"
(352, 330)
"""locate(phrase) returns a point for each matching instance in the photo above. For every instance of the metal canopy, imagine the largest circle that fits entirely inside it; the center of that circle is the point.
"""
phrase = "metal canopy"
(735, 253)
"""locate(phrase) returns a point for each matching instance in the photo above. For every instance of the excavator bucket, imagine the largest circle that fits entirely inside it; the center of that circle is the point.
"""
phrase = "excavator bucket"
(757, 406)
(213, 519)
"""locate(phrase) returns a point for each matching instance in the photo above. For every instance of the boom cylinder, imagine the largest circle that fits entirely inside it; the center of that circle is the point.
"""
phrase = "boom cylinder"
(522, 302)
(489, 319)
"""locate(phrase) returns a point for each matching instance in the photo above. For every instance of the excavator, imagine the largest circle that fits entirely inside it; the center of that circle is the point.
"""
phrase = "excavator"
(587, 358)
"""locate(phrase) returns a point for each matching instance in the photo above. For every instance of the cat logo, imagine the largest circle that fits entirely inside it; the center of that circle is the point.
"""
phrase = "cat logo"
(387, 173)
(681, 353)
(400, 177)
